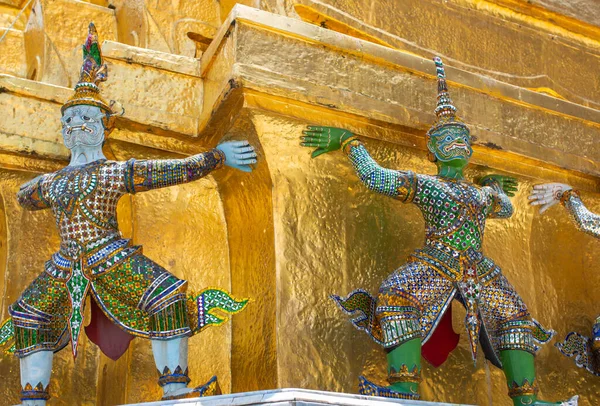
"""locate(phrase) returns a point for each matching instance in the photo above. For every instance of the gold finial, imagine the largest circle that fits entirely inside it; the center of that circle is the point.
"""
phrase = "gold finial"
(93, 71)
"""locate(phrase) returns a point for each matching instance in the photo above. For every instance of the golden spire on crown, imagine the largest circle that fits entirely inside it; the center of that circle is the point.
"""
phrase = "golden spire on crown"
(93, 71)
(445, 109)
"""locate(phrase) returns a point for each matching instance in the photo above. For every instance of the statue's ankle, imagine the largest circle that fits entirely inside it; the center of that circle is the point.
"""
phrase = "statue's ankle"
(411, 388)
(173, 387)
(34, 396)
(524, 400)
(33, 403)
(173, 382)
(403, 379)
(531, 400)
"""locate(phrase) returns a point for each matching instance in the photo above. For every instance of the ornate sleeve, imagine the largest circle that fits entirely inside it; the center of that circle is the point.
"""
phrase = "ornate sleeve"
(585, 220)
(142, 175)
(401, 185)
(30, 195)
(499, 205)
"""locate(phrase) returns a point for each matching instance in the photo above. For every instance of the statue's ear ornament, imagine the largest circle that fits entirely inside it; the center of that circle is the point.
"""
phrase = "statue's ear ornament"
(113, 112)
(110, 117)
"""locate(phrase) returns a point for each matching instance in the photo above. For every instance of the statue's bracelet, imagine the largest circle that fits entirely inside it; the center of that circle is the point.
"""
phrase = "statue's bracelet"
(348, 141)
(566, 195)
(489, 181)
(220, 155)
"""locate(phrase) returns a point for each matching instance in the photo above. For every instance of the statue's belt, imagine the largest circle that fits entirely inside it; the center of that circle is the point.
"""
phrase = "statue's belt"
(452, 264)
(469, 271)
(94, 262)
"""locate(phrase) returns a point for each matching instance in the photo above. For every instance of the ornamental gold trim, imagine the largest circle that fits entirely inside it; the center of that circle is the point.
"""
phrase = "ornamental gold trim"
(566, 195)
(404, 375)
(350, 142)
(177, 376)
(35, 393)
(525, 389)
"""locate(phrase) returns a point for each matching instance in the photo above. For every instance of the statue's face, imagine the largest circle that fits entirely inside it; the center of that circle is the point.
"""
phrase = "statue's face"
(82, 126)
(451, 144)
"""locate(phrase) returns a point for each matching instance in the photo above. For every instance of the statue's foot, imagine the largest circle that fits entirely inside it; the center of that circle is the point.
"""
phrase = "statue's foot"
(366, 387)
(528, 401)
(571, 402)
(210, 388)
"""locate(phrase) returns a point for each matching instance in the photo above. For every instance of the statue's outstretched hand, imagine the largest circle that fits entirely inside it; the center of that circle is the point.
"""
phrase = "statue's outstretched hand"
(238, 154)
(547, 195)
(325, 139)
(508, 184)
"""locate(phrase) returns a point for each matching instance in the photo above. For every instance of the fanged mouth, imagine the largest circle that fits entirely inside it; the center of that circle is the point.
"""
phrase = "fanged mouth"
(455, 146)
(82, 127)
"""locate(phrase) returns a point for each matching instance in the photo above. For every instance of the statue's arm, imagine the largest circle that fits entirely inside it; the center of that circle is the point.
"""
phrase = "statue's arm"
(495, 186)
(585, 220)
(549, 194)
(142, 175)
(401, 185)
(30, 195)
(148, 174)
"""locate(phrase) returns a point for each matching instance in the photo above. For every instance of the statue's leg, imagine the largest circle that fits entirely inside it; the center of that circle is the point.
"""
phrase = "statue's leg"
(512, 329)
(519, 369)
(142, 295)
(395, 321)
(404, 367)
(35, 377)
(39, 320)
(171, 351)
(170, 357)
(171, 354)
(398, 317)
(401, 336)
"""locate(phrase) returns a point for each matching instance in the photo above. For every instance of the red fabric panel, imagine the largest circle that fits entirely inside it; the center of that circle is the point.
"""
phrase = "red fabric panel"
(112, 340)
(443, 341)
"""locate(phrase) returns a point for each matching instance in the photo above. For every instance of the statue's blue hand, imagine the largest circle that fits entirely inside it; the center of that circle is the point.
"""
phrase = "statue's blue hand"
(238, 154)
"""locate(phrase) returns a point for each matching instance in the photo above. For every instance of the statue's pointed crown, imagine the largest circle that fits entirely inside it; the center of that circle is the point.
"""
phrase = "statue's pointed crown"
(93, 71)
(445, 110)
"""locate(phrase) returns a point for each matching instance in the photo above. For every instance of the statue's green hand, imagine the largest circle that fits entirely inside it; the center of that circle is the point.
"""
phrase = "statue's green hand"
(508, 184)
(324, 139)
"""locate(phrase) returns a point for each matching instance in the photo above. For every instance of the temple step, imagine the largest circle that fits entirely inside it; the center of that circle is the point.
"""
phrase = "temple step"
(294, 397)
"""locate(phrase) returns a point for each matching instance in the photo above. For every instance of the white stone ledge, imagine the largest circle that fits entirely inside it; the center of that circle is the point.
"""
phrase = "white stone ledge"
(294, 397)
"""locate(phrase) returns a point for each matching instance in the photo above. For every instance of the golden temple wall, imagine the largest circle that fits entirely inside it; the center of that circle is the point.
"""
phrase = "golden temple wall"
(523, 74)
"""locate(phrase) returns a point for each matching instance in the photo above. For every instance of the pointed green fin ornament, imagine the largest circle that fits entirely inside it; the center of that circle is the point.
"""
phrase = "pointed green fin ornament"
(361, 305)
(204, 308)
(540, 334)
(7, 337)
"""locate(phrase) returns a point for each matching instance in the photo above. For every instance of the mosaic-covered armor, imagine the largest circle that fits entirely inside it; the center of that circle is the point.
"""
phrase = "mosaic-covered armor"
(131, 290)
(585, 220)
(411, 315)
(584, 350)
(413, 300)
(129, 294)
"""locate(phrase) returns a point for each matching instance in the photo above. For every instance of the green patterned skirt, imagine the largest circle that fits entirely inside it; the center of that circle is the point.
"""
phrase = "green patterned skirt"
(138, 295)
